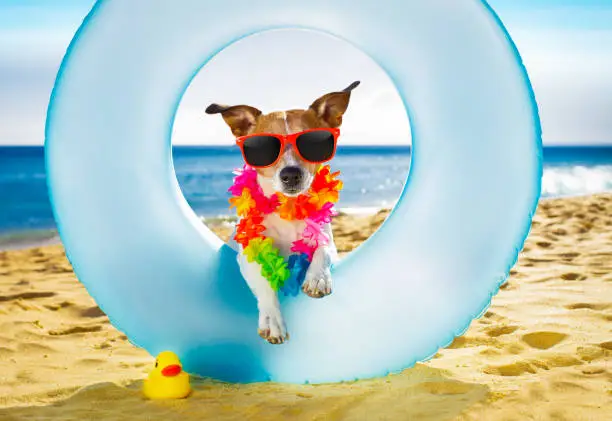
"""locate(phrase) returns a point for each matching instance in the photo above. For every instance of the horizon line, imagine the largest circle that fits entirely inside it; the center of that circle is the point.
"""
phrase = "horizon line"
(373, 145)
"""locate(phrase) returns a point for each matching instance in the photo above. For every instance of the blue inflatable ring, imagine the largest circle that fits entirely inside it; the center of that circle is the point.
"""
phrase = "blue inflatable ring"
(168, 282)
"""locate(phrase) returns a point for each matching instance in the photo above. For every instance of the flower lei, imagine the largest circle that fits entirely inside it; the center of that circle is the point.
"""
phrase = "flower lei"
(316, 208)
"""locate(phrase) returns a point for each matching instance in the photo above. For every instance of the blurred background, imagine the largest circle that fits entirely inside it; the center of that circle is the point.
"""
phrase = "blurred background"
(566, 47)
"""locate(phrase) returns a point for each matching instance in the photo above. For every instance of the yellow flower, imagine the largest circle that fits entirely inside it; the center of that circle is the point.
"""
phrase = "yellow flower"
(243, 203)
(256, 247)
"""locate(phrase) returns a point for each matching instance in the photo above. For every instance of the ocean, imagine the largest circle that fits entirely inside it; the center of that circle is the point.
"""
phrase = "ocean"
(373, 178)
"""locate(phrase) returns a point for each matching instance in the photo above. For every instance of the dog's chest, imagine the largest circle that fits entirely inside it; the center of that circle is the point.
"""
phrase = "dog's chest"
(283, 232)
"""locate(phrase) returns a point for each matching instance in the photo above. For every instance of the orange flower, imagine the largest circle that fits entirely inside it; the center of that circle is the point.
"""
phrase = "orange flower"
(319, 198)
(285, 210)
(326, 180)
(243, 203)
(249, 228)
(303, 207)
(292, 208)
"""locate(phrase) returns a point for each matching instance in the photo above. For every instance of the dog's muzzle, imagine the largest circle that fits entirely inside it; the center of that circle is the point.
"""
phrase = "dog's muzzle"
(291, 178)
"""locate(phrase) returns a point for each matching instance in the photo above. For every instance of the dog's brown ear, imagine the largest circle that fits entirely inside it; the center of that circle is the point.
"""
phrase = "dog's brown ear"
(332, 106)
(240, 118)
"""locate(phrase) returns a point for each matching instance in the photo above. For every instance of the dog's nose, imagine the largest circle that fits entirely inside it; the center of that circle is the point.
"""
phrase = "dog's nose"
(291, 176)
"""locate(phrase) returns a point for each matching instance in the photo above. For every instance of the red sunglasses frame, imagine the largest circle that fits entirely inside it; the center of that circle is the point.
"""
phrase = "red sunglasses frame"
(290, 139)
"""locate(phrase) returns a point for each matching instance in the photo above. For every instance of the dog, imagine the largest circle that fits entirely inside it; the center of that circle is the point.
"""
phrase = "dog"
(290, 175)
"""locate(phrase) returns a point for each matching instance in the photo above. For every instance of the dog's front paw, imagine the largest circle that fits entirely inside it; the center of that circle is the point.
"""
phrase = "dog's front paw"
(272, 326)
(318, 286)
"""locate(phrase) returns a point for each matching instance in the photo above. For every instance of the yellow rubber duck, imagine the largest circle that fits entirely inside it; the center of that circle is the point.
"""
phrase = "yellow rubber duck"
(167, 380)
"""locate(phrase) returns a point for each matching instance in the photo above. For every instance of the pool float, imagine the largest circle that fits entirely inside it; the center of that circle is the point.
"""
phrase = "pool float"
(169, 283)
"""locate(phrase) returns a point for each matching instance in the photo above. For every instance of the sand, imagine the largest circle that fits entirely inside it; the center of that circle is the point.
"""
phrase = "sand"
(542, 351)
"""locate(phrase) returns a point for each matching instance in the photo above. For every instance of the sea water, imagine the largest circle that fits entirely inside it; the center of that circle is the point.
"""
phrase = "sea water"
(373, 178)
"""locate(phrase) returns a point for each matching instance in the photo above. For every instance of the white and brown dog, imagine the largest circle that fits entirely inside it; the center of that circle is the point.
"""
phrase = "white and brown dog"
(291, 175)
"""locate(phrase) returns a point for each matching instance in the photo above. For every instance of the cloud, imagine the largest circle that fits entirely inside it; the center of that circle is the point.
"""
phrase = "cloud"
(570, 71)
(29, 61)
(555, 14)
(569, 68)
(279, 71)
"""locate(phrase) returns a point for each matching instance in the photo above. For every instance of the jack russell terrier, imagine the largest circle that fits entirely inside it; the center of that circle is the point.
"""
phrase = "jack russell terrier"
(286, 149)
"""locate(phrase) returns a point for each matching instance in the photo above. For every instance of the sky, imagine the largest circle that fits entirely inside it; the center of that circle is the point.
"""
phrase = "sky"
(566, 46)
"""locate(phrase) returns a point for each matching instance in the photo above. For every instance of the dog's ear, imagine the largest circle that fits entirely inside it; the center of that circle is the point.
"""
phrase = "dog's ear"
(240, 118)
(332, 106)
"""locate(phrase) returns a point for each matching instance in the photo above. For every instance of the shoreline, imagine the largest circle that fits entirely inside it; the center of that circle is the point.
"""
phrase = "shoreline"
(33, 238)
(27, 239)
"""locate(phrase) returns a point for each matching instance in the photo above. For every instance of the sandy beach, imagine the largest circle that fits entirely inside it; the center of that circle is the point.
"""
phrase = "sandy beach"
(543, 350)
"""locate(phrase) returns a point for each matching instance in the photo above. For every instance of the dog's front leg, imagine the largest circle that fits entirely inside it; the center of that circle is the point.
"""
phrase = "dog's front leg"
(318, 281)
(271, 324)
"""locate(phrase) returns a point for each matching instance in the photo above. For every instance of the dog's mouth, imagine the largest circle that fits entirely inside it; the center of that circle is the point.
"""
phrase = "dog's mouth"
(292, 191)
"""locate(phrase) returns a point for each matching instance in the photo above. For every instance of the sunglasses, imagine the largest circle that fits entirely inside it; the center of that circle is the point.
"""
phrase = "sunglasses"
(264, 149)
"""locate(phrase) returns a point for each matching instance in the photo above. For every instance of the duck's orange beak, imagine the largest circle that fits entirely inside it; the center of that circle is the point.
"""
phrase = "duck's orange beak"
(171, 370)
